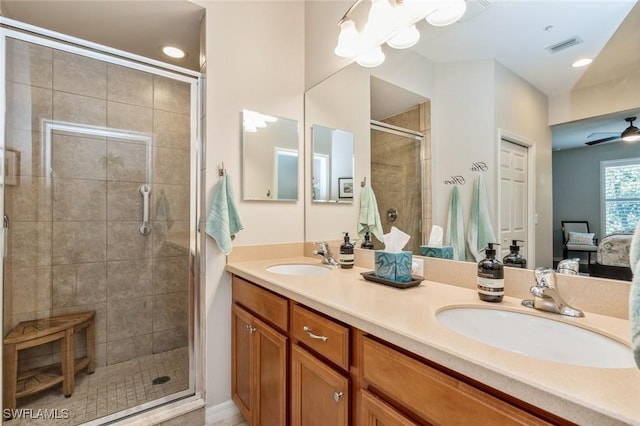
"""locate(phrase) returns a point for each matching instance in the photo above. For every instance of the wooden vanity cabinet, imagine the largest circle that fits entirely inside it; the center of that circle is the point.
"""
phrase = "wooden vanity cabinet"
(319, 389)
(259, 354)
(292, 365)
(427, 393)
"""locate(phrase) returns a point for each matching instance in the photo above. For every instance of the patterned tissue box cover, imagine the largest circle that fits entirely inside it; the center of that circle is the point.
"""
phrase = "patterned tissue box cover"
(394, 266)
(443, 252)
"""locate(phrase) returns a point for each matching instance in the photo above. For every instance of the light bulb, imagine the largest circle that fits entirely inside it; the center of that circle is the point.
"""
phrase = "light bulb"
(348, 41)
(582, 62)
(371, 58)
(448, 12)
(173, 52)
(405, 38)
(633, 138)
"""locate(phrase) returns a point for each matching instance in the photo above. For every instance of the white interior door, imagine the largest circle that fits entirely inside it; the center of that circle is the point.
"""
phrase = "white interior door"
(513, 196)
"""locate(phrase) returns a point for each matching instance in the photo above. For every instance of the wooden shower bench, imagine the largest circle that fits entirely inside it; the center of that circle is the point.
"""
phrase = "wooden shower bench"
(29, 334)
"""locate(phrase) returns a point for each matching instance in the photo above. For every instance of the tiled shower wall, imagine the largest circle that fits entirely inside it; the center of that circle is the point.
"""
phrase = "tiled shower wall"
(74, 206)
(395, 175)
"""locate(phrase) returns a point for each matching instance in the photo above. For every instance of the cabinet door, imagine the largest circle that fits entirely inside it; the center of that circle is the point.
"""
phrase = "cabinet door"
(241, 360)
(270, 351)
(375, 412)
(319, 394)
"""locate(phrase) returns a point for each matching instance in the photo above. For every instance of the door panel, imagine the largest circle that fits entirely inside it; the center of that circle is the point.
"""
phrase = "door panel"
(319, 395)
(513, 196)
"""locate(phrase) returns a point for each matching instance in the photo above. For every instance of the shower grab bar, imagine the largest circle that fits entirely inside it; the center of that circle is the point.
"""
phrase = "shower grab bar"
(145, 227)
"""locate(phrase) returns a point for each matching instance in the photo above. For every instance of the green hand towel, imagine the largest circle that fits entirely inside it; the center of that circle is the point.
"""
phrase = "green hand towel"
(634, 295)
(480, 231)
(455, 227)
(223, 222)
(369, 219)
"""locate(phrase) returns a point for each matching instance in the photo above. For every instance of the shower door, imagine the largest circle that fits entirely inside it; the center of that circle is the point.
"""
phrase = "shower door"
(397, 157)
(99, 216)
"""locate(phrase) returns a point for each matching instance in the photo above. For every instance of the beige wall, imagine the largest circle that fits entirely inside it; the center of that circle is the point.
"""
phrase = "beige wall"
(463, 132)
(249, 65)
(620, 94)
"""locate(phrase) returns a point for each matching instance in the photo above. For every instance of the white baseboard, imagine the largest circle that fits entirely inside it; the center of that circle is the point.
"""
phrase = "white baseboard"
(220, 412)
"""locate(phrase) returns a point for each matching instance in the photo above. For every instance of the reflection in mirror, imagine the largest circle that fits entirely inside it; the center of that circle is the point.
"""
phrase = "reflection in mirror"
(269, 157)
(332, 165)
(517, 98)
(400, 160)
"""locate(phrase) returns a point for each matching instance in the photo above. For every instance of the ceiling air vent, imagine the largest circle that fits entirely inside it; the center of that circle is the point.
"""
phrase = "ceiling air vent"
(565, 44)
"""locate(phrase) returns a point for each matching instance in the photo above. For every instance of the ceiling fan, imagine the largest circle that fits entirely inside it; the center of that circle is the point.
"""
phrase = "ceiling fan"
(630, 134)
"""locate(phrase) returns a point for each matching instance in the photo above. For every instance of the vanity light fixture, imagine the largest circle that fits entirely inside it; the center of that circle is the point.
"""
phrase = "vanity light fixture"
(173, 52)
(582, 62)
(631, 133)
(392, 22)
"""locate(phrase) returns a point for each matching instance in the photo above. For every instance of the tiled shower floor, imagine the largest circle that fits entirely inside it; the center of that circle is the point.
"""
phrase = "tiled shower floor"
(112, 388)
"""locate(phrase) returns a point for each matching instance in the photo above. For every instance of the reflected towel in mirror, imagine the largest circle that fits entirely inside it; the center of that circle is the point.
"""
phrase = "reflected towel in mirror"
(634, 295)
(455, 227)
(369, 218)
(223, 222)
(480, 231)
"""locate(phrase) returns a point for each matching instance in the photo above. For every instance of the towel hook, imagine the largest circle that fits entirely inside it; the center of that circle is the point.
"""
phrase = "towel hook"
(222, 170)
(364, 182)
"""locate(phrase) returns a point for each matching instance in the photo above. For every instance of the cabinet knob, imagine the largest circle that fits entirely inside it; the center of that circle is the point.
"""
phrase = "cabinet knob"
(337, 396)
(250, 329)
(314, 336)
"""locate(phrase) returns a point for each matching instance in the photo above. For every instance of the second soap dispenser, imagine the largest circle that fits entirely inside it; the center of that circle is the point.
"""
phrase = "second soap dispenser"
(490, 276)
(515, 259)
(346, 253)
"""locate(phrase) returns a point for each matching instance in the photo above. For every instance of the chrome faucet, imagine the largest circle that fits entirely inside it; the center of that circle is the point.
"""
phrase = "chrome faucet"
(569, 266)
(325, 252)
(546, 296)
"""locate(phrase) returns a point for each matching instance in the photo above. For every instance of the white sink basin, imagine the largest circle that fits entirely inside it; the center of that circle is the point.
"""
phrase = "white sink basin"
(538, 337)
(299, 269)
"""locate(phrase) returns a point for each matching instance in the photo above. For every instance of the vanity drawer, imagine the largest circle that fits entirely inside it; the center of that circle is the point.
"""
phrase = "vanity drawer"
(324, 336)
(433, 395)
(261, 302)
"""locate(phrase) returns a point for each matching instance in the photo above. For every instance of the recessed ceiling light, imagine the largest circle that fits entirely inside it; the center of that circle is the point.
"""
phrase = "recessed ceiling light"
(173, 52)
(581, 62)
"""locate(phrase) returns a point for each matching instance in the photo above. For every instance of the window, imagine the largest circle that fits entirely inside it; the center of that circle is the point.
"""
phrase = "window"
(620, 182)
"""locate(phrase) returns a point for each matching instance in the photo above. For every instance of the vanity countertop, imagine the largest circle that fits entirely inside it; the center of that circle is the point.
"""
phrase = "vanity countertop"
(407, 318)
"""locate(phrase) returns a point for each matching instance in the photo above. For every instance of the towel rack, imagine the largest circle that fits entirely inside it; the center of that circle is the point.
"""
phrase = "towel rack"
(221, 170)
(364, 182)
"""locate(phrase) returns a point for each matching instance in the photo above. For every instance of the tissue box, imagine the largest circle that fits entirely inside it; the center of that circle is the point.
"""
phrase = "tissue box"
(394, 266)
(443, 252)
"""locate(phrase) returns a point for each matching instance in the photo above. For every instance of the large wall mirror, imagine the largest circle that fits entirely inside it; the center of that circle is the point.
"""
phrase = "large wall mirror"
(479, 99)
(331, 165)
(269, 157)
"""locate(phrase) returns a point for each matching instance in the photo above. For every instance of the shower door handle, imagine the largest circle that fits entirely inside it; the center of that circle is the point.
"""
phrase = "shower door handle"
(145, 227)
(5, 235)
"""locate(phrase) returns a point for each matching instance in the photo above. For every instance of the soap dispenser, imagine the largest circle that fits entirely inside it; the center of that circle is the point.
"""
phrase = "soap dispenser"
(490, 276)
(515, 259)
(367, 243)
(346, 253)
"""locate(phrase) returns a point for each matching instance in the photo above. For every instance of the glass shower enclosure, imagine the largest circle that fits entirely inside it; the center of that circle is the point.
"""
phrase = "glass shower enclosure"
(98, 200)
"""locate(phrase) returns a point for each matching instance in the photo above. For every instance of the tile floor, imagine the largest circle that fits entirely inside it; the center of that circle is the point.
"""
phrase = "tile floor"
(237, 420)
(110, 389)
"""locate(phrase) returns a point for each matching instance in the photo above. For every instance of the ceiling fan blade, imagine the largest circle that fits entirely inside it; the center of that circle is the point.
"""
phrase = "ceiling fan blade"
(610, 138)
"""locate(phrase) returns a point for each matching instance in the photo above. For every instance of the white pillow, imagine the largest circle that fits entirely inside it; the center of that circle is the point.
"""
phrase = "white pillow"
(581, 238)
